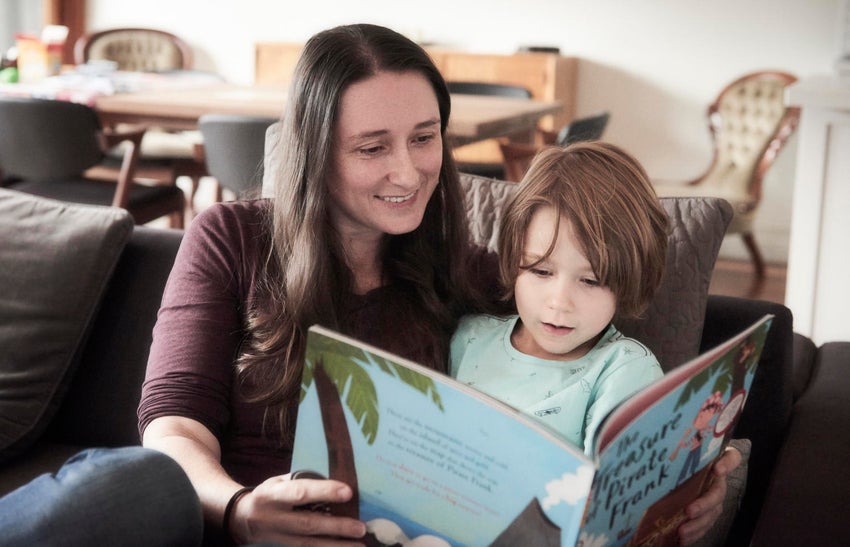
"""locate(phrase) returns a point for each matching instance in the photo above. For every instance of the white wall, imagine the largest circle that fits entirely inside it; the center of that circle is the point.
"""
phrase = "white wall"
(654, 64)
(18, 16)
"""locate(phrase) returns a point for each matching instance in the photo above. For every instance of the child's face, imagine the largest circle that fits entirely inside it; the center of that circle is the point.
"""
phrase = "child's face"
(562, 307)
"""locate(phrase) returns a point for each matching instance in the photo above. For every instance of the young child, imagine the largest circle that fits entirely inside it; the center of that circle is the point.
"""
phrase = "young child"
(583, 241)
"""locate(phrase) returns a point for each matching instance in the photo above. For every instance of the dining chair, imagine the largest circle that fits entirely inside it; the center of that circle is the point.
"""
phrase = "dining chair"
(47, 146)
(589, 128)
(488, 88)
(165, 155)
(135, 49)
(749, 125)
(233, 150)
(487, 169)
(517, 156)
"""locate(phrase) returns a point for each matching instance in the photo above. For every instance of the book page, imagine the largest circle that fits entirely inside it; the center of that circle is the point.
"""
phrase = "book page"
(435, 458)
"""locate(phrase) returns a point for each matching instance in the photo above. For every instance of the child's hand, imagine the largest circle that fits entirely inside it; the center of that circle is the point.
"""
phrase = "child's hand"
(704, 511)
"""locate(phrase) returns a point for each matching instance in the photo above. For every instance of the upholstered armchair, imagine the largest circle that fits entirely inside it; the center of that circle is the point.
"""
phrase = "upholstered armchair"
(749, 125)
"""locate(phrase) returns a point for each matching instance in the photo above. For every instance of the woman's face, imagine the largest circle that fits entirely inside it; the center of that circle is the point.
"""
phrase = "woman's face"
(387, 155)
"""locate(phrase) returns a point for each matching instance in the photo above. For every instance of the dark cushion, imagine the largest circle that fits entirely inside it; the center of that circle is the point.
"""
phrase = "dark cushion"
(57, 258)
(805, 353)
(100, 406)
(808, 502)
(672, 325)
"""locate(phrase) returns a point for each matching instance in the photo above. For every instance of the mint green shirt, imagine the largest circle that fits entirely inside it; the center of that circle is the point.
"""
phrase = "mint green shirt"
(570, 397)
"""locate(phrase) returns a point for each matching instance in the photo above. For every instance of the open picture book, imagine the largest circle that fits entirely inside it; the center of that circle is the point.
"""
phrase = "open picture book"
(434, 462)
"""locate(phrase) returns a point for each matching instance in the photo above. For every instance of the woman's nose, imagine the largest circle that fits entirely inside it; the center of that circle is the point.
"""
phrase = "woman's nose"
(403, 171)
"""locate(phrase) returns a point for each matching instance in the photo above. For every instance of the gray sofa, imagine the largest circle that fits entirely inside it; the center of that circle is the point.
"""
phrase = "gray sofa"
(82, 389)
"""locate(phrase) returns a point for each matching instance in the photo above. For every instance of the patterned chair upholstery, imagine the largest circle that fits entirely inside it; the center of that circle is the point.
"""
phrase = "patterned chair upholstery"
(135, 49)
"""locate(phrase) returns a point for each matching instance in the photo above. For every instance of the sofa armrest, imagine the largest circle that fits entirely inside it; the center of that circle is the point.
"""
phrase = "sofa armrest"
(807, 501)
(765, 417)
(100, 407)
(805, 354)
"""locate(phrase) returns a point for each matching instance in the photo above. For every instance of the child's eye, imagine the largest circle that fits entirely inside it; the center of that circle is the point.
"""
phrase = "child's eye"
(540, 272)
(590, 282)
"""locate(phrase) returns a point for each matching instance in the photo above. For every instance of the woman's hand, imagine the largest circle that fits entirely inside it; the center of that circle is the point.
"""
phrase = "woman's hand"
(703, 512)
(268, 514)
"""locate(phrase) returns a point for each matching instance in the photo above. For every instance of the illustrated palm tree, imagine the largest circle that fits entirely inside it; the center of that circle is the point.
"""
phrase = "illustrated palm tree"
(732, 369)
(329, 367)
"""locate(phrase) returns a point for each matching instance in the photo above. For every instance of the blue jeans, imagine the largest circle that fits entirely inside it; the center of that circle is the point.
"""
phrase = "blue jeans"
(121, 496)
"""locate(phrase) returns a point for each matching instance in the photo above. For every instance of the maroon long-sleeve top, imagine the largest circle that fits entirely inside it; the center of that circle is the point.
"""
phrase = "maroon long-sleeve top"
(202, 322)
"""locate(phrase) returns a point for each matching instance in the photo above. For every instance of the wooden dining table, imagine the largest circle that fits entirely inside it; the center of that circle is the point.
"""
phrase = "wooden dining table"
(474, 117)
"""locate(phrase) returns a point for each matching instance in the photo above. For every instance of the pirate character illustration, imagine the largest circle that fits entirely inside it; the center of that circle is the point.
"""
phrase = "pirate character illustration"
(695, 435)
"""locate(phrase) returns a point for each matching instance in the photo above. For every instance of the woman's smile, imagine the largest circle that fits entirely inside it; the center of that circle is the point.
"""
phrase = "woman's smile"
(397, 199)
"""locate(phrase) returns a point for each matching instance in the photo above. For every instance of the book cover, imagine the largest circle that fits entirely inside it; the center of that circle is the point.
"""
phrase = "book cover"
(655, 450)
(434, 462)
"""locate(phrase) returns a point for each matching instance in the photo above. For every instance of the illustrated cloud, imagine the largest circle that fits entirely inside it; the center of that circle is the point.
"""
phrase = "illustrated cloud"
(570, 488)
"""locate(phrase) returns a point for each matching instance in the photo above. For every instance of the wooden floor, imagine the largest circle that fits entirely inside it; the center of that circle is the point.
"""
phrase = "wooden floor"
(734, 278)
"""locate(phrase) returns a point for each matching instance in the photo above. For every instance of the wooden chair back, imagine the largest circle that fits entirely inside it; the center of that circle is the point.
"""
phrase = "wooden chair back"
(517, 156)
(135, 49)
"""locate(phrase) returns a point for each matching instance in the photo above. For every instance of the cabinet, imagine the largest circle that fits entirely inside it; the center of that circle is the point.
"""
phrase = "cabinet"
(548, 76)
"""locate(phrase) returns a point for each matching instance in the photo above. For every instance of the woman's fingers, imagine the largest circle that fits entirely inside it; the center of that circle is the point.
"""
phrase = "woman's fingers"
(270, 513)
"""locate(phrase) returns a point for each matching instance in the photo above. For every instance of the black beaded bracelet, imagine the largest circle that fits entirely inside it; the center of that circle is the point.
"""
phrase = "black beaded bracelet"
(228, 509)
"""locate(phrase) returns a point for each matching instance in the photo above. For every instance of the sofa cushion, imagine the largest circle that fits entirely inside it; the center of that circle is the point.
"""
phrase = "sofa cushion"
(57, 258)
(100, 406)
(672, 326)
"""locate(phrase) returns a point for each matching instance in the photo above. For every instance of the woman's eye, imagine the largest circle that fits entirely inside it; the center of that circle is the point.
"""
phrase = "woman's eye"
(423, 139)
(590, 282)
(371, 150)
(540, 272)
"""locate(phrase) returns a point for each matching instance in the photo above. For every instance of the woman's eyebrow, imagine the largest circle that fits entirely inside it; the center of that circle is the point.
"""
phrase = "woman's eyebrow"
(428, 123)
(368, 134)
(380, 132)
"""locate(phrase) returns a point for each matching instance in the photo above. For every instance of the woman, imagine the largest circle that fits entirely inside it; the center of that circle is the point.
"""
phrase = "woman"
(368, 230)
(367, 236)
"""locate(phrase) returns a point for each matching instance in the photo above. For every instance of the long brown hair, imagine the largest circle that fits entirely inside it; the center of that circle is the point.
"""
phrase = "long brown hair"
(305, 280)
(617, 218)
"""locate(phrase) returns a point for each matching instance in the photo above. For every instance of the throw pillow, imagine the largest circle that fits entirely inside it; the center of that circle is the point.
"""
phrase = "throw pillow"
(672, 325)
(57, 259)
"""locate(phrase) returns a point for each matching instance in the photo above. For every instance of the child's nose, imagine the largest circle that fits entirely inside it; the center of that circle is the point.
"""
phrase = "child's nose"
(561, 298)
